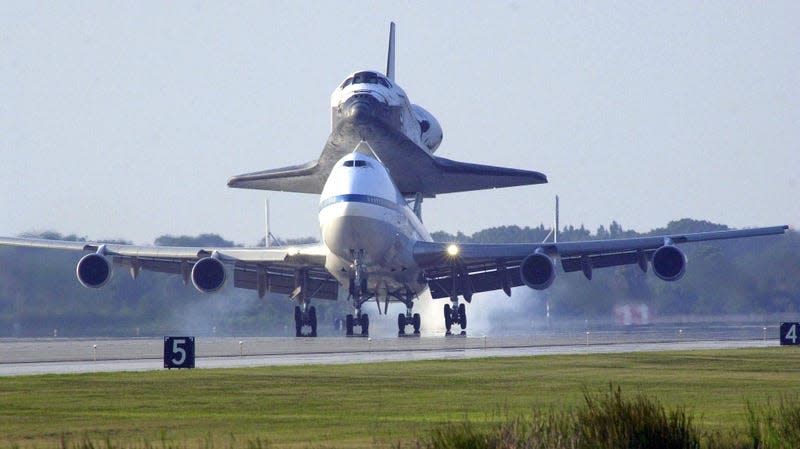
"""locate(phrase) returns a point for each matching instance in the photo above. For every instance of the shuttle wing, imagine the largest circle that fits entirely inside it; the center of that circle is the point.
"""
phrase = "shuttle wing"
(486, 267)
(413, 169)
(280, 266)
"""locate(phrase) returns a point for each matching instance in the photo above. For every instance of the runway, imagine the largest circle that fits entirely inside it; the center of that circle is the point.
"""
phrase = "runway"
(60, 356)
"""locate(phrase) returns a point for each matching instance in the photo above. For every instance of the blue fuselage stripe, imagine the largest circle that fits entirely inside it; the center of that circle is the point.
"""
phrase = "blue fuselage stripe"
(358, 198)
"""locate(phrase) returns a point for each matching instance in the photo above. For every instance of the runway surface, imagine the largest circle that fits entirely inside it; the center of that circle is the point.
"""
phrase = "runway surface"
(58, 356)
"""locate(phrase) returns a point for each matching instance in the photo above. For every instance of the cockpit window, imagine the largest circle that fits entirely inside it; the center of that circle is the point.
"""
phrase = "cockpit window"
(346, 83)
(356, 163)
(368, 78)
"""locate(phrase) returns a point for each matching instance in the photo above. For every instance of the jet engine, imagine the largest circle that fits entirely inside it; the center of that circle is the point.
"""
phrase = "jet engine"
(94, 270)
(669, 263)
(208, 275)
(430, 128)
(538, 271)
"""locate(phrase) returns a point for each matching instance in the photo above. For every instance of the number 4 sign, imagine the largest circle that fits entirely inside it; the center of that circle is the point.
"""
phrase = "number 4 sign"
(790, 334)
(178, 352)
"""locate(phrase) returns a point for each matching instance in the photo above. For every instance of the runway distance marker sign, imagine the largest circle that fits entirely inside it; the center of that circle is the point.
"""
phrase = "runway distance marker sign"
(178, 352)
(790, 334)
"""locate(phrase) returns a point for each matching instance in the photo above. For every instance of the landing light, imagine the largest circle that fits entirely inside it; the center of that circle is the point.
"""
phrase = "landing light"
(452, 250)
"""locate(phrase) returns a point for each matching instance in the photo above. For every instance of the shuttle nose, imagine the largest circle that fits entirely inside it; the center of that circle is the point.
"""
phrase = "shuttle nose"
(360, 107)
(359, 110)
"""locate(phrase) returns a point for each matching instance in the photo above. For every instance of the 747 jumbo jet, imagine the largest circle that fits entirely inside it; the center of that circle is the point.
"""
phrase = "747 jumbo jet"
(372, 176)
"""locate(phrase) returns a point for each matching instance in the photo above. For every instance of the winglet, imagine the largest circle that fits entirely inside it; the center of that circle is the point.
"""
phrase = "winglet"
(390, 57)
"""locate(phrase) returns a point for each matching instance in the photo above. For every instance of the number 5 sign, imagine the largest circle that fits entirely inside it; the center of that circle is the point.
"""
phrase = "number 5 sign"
(790, 333)
(178, 352)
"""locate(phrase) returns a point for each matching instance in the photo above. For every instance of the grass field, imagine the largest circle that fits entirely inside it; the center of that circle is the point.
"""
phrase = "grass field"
(381, 404)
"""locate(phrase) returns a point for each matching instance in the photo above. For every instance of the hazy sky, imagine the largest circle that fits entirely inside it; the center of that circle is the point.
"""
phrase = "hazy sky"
(125, 119)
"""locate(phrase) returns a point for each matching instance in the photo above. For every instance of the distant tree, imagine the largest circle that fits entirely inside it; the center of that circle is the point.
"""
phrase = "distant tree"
(294, 241)
(200, 240)
(53, 235)
(687, 225)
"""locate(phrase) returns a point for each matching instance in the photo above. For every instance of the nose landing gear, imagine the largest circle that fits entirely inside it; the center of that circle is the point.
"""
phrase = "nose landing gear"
(358, 292)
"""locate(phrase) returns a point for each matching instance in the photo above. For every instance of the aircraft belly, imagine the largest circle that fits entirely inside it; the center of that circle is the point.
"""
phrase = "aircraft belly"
(375, 234)
(363, 230)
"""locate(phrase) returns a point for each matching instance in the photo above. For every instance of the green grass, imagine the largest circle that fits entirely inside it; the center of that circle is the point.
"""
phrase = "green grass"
(383, 404)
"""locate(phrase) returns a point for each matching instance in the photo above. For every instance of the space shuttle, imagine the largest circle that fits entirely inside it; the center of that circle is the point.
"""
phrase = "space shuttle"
(372, 113)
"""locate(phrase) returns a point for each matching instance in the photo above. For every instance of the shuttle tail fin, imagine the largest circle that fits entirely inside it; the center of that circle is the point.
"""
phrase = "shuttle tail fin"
(390, 57)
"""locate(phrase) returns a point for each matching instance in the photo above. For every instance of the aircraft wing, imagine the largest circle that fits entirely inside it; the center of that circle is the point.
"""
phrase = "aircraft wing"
(281, 269)
(413, 169)
(485, 267)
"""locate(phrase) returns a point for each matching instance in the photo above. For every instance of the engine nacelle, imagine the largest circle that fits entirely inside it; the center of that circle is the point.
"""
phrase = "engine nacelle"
(669, 263)
(430, 127)
(208, 275)
(538, 271)
(94, 270)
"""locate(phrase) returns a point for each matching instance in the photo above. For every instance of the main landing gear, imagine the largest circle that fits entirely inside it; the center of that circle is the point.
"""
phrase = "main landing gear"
(360, 319)
(407, 319)
(305, 321)
(455, 314)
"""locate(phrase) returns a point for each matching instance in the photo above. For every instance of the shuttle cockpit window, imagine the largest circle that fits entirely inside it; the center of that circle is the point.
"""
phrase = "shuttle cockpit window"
(346, 83)
(369, 78)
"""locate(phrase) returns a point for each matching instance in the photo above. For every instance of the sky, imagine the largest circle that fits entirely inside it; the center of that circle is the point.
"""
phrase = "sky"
(126, 119)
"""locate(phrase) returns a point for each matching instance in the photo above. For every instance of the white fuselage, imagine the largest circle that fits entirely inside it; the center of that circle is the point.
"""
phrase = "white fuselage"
(365, 220)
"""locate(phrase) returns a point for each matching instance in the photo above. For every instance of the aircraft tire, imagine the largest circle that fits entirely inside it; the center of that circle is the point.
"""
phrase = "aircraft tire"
(462, 316)
(298, 322)
(417, 322)
(348, 325)
(312, 318)
(401, 323)
(448, 320)
(365, 324)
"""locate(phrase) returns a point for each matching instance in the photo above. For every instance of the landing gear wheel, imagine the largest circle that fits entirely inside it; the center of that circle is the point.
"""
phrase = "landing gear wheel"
(348, 325)
(417, 321)
(312, 318)
(448, 319)
(298, 322)
(462, 316)
(401, 324)
(364, 325)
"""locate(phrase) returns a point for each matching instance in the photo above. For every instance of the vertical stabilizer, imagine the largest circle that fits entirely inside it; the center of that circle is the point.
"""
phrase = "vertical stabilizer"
(390, 57)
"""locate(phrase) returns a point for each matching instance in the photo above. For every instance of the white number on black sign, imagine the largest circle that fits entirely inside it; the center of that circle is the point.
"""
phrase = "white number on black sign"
(179, 351)
(792, 334)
